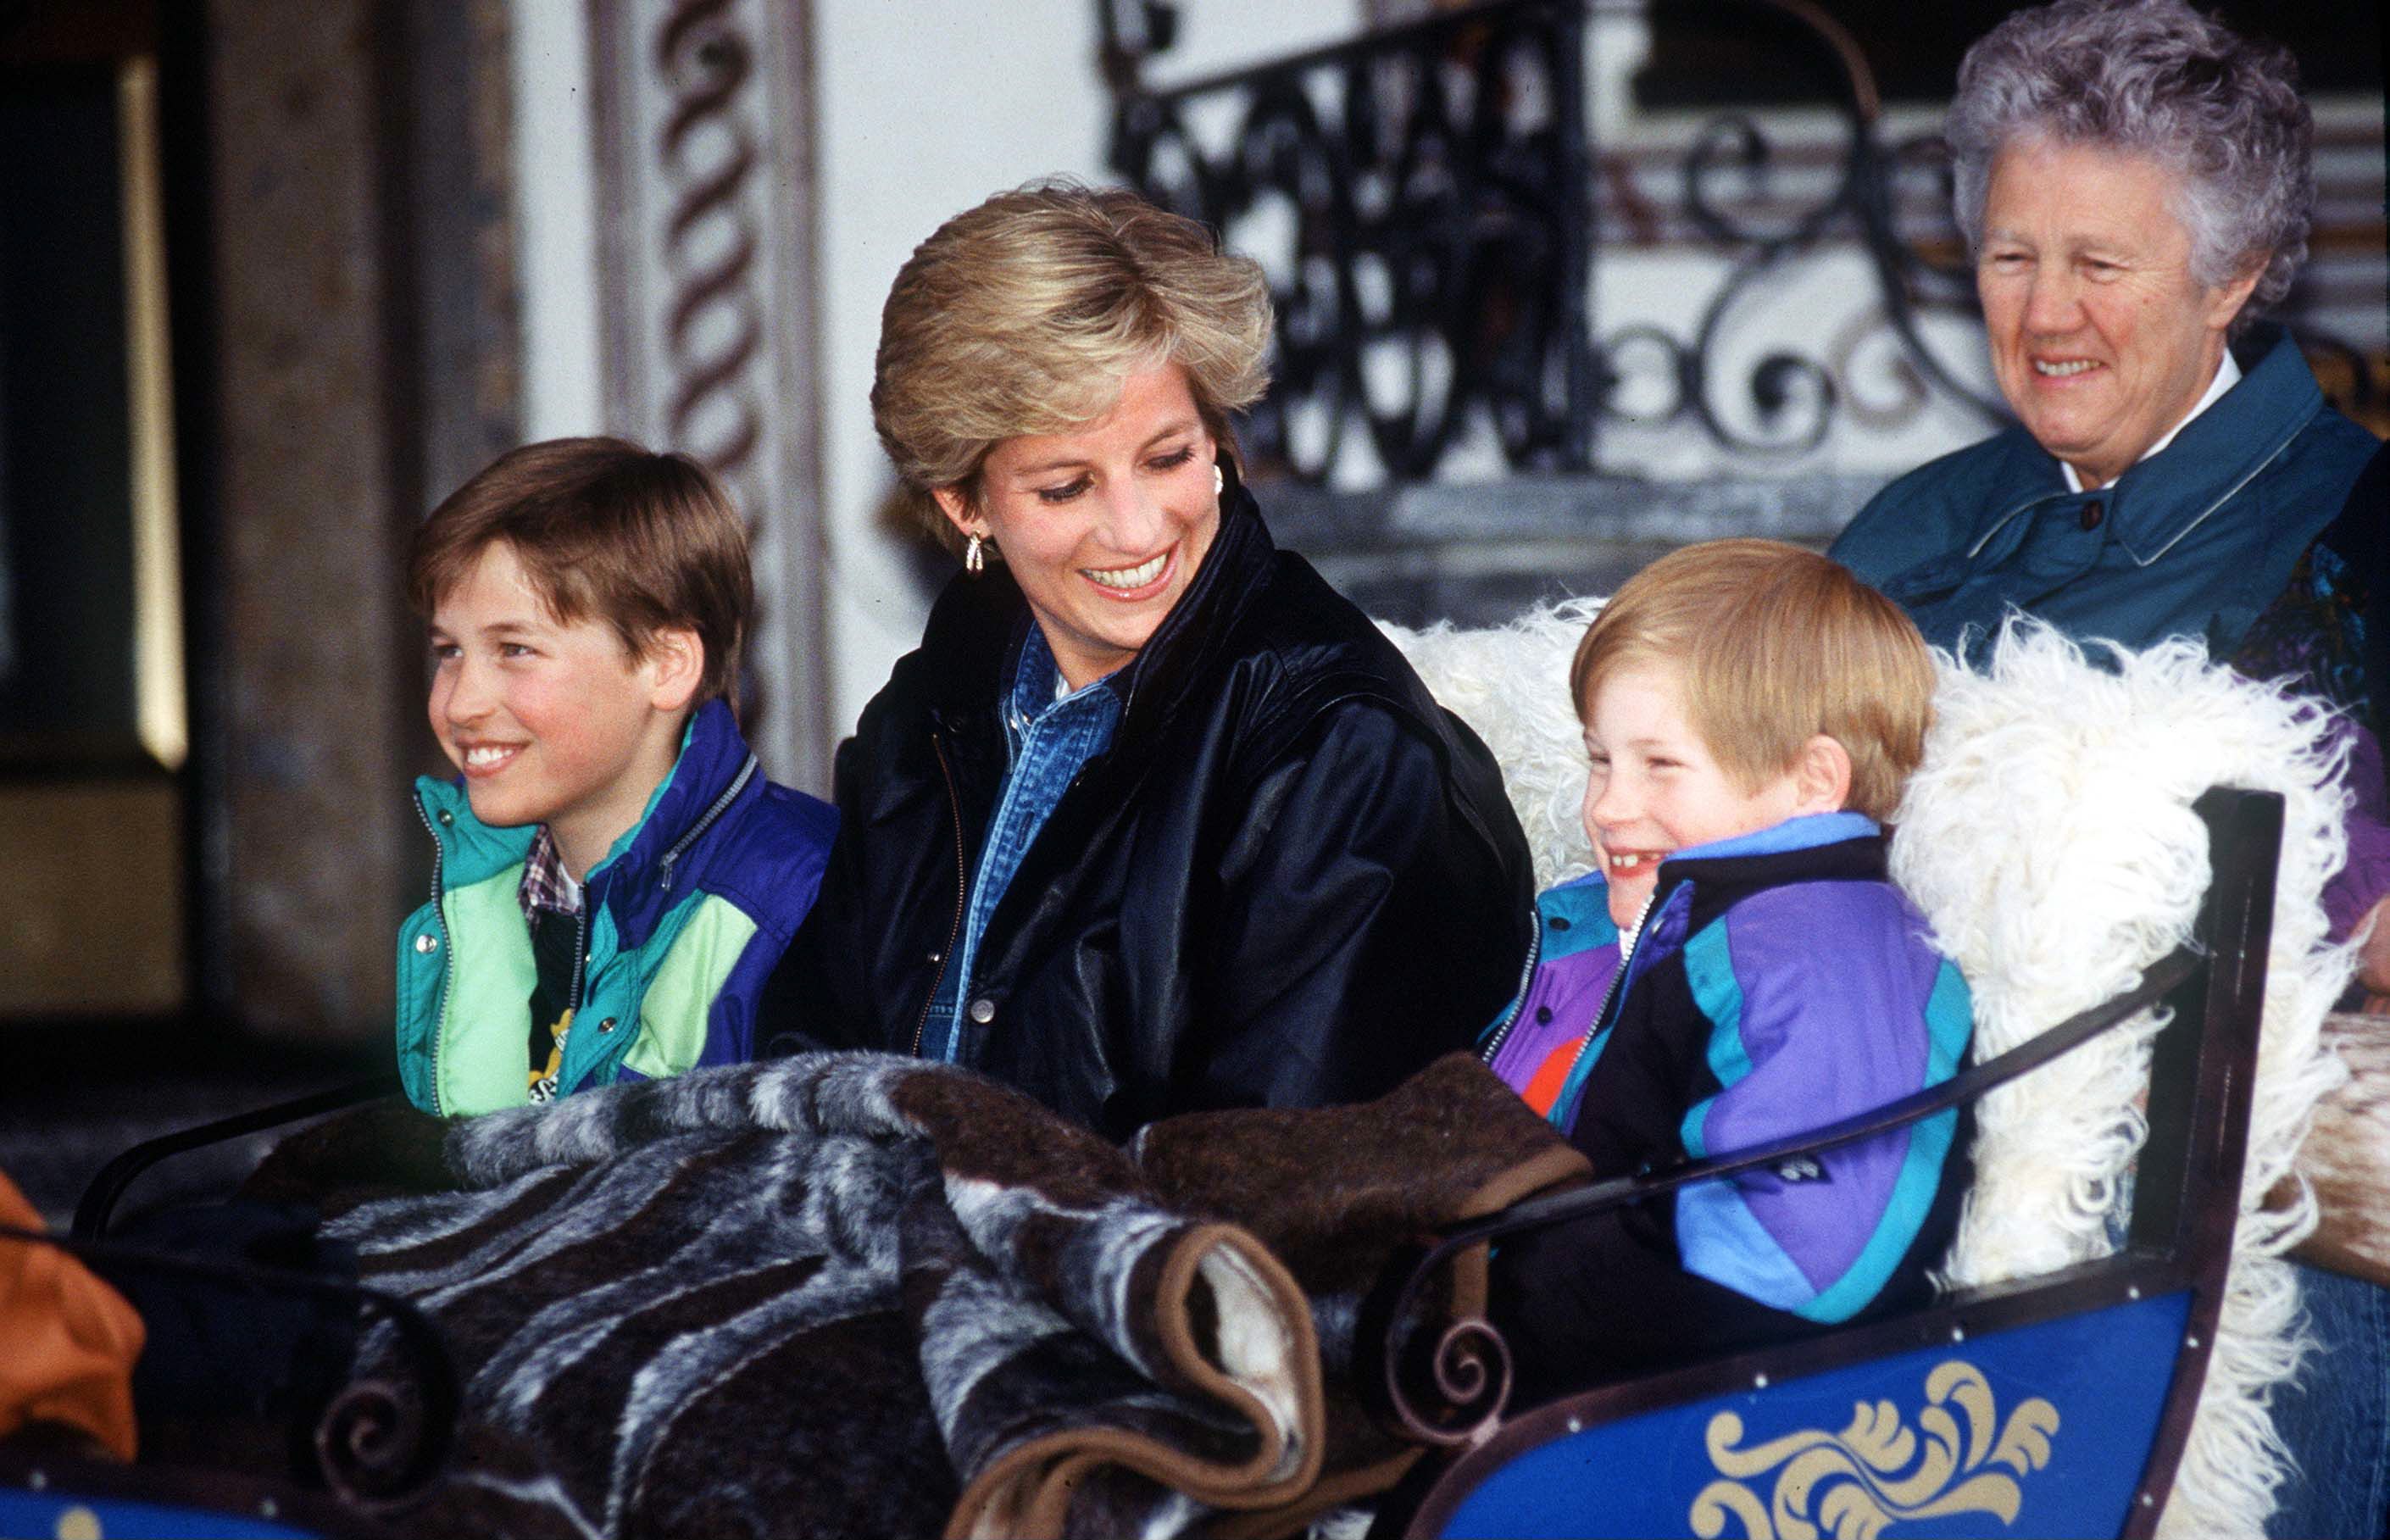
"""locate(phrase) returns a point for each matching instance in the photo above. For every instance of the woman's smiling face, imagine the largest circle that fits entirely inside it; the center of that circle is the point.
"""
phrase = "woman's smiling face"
(2102, 339)
(1103, 526)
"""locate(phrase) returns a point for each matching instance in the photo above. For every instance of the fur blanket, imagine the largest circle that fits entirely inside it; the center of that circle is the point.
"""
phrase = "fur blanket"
(2050, 840)
(851, 1294)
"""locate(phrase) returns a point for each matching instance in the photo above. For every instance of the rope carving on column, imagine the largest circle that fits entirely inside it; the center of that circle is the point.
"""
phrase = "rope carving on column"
(713, 329)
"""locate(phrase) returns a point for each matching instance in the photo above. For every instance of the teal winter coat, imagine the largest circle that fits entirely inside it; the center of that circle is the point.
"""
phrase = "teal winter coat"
(681, 924)
(2195, 540)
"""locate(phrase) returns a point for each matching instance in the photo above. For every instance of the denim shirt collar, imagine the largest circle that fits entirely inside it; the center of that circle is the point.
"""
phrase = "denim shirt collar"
(1037, 688)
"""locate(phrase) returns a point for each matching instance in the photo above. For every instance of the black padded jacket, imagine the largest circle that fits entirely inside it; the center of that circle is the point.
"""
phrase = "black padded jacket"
(1292, 879)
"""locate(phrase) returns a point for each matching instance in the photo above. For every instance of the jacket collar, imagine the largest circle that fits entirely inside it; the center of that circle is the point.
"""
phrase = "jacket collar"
(2163, 498)
(711, 772)
(1776, 854)
(1804, 831)
(2167, 496)
(714, 768)
(1818, 847)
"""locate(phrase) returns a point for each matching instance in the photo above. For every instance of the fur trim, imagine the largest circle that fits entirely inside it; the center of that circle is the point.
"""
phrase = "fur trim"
(2092, 871)
(1511, 684)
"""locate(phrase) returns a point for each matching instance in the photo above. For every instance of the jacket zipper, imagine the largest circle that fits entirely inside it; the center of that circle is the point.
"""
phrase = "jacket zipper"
(721, 805)
(580, 955)
(573, 996)
(1618, 980)
(664, 871)
(447, 949)
(962, 896)
(1526, 977)
(1610, 996)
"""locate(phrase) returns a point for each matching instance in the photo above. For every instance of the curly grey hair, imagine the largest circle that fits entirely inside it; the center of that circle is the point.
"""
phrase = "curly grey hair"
(2151, 78)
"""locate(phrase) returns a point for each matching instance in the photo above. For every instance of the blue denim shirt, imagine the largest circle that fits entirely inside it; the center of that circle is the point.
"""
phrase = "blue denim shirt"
(1048, 741)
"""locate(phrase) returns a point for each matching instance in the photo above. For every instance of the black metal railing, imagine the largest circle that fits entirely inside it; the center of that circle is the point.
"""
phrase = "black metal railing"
(1426, 200)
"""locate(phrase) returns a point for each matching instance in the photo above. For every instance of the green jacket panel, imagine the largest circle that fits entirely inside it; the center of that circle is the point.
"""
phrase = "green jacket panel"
(682, 922)
(673, 1009)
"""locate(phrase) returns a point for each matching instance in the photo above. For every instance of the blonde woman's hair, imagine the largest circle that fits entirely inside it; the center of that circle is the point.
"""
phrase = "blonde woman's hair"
(1025, 313)
(1772, 645)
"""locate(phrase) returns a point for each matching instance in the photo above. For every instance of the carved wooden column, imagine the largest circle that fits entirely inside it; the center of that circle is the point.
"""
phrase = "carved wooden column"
(705, 204)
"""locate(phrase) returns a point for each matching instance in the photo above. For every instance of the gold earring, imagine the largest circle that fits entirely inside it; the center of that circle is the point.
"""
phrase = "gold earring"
(975, 556)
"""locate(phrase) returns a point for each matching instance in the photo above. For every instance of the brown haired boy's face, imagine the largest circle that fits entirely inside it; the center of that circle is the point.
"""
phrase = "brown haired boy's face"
(551, 722)
(1656, 788)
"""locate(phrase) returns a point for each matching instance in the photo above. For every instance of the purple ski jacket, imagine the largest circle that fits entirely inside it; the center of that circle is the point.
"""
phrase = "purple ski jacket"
(1780, 981)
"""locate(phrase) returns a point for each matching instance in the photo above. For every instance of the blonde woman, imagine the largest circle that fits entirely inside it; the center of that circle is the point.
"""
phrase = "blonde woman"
(1152, 820)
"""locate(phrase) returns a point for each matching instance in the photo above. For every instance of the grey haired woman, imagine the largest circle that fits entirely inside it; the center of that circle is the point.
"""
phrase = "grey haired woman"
(2136, 183)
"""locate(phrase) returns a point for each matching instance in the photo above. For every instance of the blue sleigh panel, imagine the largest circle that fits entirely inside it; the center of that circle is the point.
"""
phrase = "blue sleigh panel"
(2038, 1430)
(85, 1516)
(2058, 1405)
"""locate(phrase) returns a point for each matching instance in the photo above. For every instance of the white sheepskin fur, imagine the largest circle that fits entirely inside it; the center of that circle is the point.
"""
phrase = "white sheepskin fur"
(1511, 684)
(2050, 839)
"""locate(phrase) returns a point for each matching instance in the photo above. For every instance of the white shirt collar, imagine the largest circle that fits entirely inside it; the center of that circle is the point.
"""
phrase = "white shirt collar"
(2228, 374)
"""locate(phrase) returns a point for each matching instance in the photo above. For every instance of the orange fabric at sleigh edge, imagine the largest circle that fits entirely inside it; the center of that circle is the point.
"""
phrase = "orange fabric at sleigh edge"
(71, 1339)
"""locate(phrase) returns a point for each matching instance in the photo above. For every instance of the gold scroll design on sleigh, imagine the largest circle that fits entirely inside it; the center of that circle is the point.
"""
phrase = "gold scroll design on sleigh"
(1878, 1471)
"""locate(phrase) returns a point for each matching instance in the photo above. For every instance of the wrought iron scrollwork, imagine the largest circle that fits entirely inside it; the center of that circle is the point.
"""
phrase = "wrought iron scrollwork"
(1444, 1380)
(1426, 191)
(1423, 198)
(380, 1441)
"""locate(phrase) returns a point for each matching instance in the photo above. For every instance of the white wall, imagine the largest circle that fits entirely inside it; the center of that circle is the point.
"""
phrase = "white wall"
(927, 108)
(556, 219)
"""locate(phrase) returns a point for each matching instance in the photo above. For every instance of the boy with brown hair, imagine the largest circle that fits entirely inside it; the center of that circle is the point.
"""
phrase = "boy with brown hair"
(1739, 969)
(613, 880)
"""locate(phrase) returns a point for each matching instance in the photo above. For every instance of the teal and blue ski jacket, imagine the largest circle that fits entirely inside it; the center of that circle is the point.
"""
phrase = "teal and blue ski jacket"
(681, 924)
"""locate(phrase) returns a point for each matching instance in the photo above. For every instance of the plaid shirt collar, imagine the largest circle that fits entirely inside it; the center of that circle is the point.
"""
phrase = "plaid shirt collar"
(545, 884)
